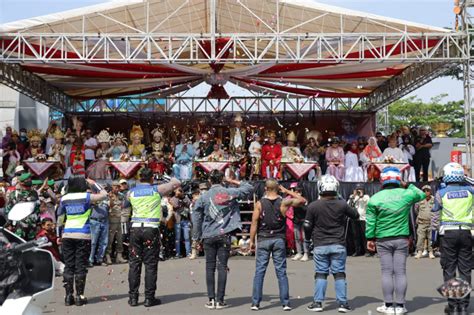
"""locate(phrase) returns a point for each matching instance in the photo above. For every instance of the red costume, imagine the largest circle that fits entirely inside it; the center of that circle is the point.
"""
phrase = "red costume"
(271, 157)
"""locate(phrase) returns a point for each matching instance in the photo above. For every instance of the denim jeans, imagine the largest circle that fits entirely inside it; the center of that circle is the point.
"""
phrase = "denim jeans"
(183, 227)
(301, 247)
(99, 240)
(330, 259)
(217, 251)
(277, 249)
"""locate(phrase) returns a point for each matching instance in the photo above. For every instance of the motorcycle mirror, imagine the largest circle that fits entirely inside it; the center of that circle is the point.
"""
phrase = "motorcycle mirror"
(21, 210)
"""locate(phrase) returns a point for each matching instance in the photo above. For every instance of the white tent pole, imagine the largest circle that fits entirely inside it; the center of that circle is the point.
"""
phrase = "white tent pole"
(212, 12)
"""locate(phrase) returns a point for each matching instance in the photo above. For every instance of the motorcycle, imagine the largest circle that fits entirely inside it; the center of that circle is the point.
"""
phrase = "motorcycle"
(26, 270)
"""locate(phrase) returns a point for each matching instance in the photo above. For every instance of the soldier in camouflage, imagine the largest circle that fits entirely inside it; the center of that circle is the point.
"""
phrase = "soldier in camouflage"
(26, 228)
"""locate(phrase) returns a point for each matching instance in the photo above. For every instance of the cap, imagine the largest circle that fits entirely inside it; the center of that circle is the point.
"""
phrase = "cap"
(426, 187)
(123, 181)
(115, 183)
(19, 169)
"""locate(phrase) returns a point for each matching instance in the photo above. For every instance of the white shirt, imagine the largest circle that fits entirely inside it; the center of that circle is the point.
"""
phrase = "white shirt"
(360, 204)
(396, 153)
(255, 149)
(90, 154)
(409, 151)
(237, 138)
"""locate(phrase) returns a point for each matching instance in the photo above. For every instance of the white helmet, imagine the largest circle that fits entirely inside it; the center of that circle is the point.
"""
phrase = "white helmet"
(328, 184)
(453, 173)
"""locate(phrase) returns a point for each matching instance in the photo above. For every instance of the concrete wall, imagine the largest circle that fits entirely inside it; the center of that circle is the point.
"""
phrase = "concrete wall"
(441, 152)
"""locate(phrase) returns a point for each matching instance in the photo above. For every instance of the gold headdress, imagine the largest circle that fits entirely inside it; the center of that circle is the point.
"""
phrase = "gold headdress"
(35, 135)
(103, 137)
(313, 134)
(58, 134)
(157, 132)
(136, 132)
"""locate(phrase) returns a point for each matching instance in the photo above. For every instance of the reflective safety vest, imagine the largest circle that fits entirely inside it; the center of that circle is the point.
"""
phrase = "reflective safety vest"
(146, 205)
(77, 207)
(457, 208)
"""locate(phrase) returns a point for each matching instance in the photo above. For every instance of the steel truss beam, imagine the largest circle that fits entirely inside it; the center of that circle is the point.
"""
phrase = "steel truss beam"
(31, 85)
(409, 80)
(257, 104)
(240, 48)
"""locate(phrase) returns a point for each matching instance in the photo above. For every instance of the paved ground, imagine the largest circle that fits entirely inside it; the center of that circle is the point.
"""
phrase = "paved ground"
(181, 286)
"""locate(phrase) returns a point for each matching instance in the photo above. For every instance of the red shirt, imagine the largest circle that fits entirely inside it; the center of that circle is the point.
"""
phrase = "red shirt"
(53, 249)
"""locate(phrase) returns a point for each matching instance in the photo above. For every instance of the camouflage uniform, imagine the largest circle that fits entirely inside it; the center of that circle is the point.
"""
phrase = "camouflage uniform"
(423, 209)
(26, 228)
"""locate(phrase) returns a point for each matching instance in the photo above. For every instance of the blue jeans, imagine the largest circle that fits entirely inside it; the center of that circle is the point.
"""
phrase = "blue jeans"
(99, 240)
(330, 259)
(185, 227)
(277, 248)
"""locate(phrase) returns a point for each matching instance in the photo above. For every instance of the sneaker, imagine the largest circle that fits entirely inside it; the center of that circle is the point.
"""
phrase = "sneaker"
(211, 304)
(221, 305)
(287, 307)
(344, 308)
(418, 255)
(315, 307)
(297, 257)
(383, 309)
(305, 257)
(388, 310)
(432, 256)
(425, 253)
(255, 307)
(400, 310)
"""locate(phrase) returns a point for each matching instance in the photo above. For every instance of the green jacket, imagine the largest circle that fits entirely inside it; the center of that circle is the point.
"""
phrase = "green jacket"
(388, 212)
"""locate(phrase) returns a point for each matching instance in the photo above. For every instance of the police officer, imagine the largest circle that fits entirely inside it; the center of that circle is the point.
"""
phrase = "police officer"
(455, 203)
(145, 201)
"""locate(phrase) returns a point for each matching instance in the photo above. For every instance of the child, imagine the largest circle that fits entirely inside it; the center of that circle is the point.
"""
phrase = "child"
(48, 230)
(244, 245)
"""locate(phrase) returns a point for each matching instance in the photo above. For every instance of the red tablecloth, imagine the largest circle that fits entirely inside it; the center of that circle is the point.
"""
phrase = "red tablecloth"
(127, 169)
(401, 166)
(38, 168)
(210, 166)
(298, 170)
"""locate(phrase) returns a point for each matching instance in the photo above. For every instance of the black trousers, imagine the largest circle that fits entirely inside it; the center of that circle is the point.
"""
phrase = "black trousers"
(76, 255)
(456, 253)
(144, 249)
(217, 252)
(421, 162)
(359, 237)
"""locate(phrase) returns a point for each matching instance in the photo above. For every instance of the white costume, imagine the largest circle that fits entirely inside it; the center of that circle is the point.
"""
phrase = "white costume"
(354, 172)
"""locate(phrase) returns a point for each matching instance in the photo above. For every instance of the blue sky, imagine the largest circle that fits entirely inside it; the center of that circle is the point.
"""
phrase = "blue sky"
(433, 12)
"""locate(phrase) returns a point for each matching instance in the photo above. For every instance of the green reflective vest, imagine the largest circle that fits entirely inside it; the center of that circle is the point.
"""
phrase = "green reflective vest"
(146, 205)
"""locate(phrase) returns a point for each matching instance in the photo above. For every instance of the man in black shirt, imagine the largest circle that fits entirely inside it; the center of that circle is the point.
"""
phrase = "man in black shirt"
(269, 223)
(325, 222)
(422, 156)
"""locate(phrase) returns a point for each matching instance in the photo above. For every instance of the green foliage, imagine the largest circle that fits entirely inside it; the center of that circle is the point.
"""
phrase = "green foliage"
(412, 111)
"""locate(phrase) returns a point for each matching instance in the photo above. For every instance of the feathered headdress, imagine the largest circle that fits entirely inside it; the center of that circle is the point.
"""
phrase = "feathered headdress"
(35, 135)
(104, 137)
(136, 132)
(120, 136)
(157, 132)
(58, 134)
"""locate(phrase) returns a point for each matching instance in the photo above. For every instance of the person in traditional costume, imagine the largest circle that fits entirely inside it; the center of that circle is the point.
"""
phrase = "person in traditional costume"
(78, 157)
(371, 153)
(312, 153)
(255, 151)
(50, 135)
(99, 169)
(291, 153)
(118, 148)
(34, 150)
(217, 154)
(271, 157)
(353, 172)
(335, 160)
(237, 134)
(157, 161)
(184, 155)
(136, 149)
(57, 152)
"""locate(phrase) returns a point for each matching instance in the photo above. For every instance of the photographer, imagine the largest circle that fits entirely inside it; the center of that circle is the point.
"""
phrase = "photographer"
(359, 201)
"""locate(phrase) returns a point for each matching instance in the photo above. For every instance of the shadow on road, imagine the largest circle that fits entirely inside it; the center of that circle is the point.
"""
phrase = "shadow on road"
(421, 302)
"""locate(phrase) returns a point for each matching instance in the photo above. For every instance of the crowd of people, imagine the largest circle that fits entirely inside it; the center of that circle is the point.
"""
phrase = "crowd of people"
(91, 224)
(250, 153)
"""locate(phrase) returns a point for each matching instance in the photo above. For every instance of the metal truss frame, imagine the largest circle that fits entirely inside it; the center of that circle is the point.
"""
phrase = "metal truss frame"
(258, 48)
(31, 85)
(467, 14)
(409, 80)
(249, 104)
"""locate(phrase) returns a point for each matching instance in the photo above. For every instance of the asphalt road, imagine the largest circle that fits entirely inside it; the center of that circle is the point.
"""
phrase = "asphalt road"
(182, 289)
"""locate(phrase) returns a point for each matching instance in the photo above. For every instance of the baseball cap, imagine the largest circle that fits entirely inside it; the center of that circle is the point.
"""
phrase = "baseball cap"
(123, 181)
(426, 187)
